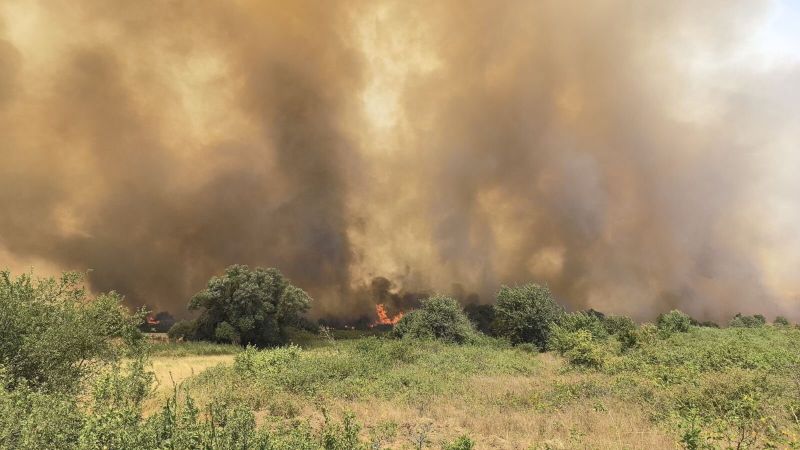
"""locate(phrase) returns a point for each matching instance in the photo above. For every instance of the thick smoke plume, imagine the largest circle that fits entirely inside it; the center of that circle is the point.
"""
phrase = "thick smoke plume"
(634, 156)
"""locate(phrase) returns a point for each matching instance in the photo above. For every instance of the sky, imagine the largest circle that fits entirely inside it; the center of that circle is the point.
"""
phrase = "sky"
(634, 156)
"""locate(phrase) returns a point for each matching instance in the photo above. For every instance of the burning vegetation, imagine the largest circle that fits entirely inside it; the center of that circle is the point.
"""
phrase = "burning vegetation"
(384, 318)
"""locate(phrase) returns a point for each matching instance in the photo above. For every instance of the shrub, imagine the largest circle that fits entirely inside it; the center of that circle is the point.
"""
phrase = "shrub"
(582, 321)
(781, 321)
(742, 321)
(674, 322)
(185, 329)
(579, 347)
(732, 409)
(440, 318)
(462, 443)
(624, 329)
(525, 314)
(647, 334)
(482, 316)
(248, 307)
(52, 335)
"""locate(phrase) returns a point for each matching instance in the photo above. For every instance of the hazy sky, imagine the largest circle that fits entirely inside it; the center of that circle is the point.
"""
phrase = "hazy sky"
(635, 156)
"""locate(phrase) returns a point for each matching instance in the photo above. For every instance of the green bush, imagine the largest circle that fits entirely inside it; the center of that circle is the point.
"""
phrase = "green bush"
(439, 318)
(525, 314)
(113, 419)
(184, 329)
(624, 329)
(247, 307)
(743, 321)
(731, 409)
(647, 334)
(674, 322)
(52, 335)
(781, 321)
(482, 316)
(577, 321)
(462, 443)
(579, 347)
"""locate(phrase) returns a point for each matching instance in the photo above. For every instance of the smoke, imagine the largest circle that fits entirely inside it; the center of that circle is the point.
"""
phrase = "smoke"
(635, 157)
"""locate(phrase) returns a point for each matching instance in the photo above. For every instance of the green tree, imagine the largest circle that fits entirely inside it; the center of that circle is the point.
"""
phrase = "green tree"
(53, 335)
(440, 317)
(525, 314)
(248, 306)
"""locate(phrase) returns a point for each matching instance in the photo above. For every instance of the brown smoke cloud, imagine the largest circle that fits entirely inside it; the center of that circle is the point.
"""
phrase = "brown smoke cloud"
(627, 154)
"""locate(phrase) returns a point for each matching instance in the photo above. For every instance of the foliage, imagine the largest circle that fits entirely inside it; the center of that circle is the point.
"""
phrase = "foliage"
(247, 306)
(781, 321)
(624, 329)
(576, 321)
(182, 349)
(482, 316)
(674, 322)
(182, 330)
(383, 368)
(440, 318)
(732, 408)
(462, 443)
(52, 335)
(703, 388)
(578, 346)
(525, 314)
(707, 324)
(114, 419)
(743, 321)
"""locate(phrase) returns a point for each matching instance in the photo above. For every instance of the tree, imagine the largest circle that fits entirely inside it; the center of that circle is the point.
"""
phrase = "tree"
(248, 307)
(52, 335)
(526, 313)
(440, 318)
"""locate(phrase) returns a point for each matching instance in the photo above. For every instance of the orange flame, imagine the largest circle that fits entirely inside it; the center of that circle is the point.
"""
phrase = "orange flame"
(384, 318)
(151, 320)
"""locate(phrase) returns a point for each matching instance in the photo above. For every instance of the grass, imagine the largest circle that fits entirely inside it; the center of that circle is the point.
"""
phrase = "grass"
(501, 396)
(182, 349)
(720, 388)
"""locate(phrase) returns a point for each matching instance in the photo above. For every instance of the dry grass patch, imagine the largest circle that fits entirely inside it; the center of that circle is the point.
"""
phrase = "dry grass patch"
(171, 371)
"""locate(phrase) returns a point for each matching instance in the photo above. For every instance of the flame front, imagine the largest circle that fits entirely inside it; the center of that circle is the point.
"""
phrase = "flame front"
(384, 318)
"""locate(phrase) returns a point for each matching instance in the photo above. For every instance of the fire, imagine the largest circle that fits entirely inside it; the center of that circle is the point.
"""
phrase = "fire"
(151, 320)
(384, 318)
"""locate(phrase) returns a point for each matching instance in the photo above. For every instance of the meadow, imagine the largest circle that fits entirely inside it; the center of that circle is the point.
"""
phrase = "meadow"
(705, 388)
(77, 372)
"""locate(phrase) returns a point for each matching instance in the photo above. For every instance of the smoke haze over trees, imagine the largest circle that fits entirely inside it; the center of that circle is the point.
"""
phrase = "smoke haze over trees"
(635, 157)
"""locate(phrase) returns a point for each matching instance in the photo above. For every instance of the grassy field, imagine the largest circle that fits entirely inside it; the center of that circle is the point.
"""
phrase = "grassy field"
(708, 388)
(80, 375)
